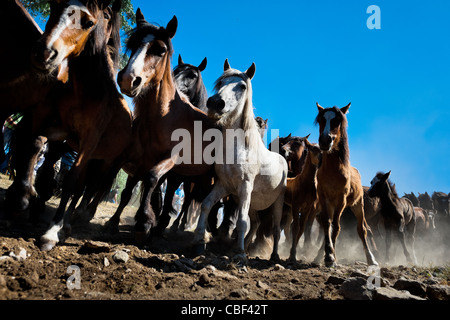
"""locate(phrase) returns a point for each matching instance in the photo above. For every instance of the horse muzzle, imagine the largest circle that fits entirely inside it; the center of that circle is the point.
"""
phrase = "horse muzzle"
(129, 85)
(325, 142)
(44, 59)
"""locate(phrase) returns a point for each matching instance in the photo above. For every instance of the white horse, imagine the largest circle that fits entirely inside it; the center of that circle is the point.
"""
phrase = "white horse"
(253, 175)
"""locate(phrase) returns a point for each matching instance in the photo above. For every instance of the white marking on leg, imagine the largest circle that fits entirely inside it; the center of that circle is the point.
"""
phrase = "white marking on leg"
(52, 233)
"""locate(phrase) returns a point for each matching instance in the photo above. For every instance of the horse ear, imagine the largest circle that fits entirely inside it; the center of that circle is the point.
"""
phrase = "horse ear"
(180, 61)
(105, 4)
(117, 6)
(319, 107)
(306, 138)
(172, 27)
(202, 65)
(251, 71)
(226, 65)
(139, 17)
(345, 109)
(387, 175)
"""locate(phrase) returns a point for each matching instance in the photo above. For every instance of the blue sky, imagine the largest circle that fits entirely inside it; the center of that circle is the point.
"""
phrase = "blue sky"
(397, 77)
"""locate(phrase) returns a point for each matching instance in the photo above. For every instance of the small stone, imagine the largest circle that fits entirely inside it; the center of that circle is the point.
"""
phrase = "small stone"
(278, 267)
(355, 289)
(335, 280)
(120, 256)
(204, 280)
(414, 287)
(106, 262)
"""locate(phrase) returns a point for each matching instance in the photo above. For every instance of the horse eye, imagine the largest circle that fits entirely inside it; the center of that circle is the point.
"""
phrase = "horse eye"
(242, 87)
(88, 24)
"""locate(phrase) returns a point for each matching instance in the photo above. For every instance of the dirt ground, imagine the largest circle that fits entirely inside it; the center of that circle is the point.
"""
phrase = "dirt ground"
(163, 269)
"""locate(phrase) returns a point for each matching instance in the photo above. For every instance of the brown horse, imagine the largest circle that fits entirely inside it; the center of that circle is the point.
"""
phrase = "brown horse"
(398, 214)
(301, 194)
(20, 87)
(159, 111)
(339, 184)
(92, 115)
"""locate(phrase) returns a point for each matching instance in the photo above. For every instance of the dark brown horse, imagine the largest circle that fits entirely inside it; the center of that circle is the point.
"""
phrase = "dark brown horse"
(20, 87)
(91, 115)
(301, 194)
(398, 214)
(160, 110)
(339, 184)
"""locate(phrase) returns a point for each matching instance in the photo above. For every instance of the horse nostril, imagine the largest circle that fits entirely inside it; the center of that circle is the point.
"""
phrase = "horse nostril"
(136, 82)
(49, 55)
(220, 104)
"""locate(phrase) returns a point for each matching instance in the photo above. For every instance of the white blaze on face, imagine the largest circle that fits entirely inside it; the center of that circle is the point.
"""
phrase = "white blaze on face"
(137, 61)
(70, 17)
(329, 115)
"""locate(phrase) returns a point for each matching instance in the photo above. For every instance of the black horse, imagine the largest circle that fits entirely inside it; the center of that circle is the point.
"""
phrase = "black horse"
(398, 214)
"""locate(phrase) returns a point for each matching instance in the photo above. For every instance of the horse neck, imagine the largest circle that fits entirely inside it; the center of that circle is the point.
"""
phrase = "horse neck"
(160, 96)
(339, 154)
(92, 74)
(387, 197)
(297, 164)
(309, 171)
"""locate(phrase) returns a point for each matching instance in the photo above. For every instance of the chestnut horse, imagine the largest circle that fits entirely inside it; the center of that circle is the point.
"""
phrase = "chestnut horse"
(338, 183)
(91, 115)
(398, 214)
(159, 111)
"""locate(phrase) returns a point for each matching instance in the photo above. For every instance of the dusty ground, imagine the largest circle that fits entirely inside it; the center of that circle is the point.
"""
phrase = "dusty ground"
(164, 270)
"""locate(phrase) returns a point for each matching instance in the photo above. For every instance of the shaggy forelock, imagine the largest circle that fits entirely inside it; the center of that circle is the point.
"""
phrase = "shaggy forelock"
(228, 74)
(137, 35)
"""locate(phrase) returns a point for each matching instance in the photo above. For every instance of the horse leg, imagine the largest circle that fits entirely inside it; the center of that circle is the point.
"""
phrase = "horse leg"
(173, 182)
(295, 230)
(73, 183)
(358, 211)
(255, 222)
(326, 217)
(277, 213)
(112, 225)
(218, 192)
(388, 240)
(145, 216)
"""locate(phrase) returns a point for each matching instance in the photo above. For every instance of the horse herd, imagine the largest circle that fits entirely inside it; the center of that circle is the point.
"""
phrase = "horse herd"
(64, 82)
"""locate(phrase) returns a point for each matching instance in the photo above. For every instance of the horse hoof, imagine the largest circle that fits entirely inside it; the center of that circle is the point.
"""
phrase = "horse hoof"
(198, 249)
(47, 245)
(111, 228)
(240, 259)
(330, 264)
(275, 258)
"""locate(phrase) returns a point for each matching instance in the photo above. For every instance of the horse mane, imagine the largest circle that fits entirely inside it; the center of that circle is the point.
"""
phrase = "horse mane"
(96, 42)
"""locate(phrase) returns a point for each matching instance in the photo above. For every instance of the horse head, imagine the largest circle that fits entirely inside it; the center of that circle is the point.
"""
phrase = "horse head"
(68, 30)
(233, 98)
(151, 50)
(378, 184)
(189, 81)
(332, 123)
